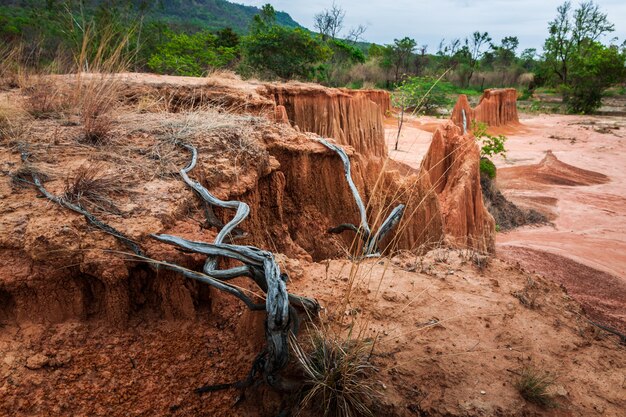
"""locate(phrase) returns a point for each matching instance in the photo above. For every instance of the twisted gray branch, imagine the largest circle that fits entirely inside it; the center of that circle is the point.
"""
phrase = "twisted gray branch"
(370, 242)
(259, 265)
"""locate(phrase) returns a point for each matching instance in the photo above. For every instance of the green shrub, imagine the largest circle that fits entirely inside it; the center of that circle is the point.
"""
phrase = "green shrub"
(191, 55)
(281, 51)
(591, 74)
(490, 145)
(526, 94)
(488, 168)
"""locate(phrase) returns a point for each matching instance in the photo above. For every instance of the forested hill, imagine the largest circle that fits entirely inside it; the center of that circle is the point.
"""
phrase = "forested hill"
(211, 14)
(181, 15)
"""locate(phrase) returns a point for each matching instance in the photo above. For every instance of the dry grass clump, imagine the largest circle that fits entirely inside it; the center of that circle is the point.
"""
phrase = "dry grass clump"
(527, 296)
(338, 376)
(47, 99)
(90, 185)
(11, 71)
(228, 142)
(534, 386)
(14, 124)
(97, 97)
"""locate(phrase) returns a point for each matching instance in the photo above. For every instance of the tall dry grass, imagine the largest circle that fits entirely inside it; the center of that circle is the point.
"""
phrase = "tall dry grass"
(366, 276)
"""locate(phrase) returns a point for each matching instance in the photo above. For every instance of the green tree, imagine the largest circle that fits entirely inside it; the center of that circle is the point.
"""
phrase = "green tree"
(504, 54)
(227, 37)
(281, 51)
(528, 59)
(576, 60)
(420, 95)
(591, 73)
(472, 52)
(570, 32)
(191, 55)
(397, 56)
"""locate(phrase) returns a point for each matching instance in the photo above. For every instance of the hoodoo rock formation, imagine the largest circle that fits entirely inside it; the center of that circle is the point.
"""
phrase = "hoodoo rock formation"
(350, 117)
(452, 163)
(88, 328)
(497, 107)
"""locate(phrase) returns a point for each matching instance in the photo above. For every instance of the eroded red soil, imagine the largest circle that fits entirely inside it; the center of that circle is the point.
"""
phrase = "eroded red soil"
(570, 168)
(86, 330)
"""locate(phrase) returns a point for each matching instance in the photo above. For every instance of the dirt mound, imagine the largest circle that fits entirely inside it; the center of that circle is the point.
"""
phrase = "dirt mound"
(497, 107)
(550, 171)
(454, 335)
(452, 162)
(602, 295)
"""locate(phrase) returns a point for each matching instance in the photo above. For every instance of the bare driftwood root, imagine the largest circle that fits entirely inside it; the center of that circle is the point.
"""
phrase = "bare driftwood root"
(258, 264)
(370, 241)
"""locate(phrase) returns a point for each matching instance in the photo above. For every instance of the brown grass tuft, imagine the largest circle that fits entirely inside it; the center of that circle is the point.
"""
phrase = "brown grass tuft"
(90, 186)
(46, 99)
(534, 386)
(97, 96)
(338, 375)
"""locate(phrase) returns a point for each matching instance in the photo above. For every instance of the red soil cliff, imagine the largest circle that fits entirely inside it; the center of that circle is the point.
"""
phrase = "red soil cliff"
(453, 162)
(350, 117)
(295, 188)
(497, 107)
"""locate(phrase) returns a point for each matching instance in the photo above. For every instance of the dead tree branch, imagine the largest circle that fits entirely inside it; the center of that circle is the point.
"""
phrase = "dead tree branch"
(370, 242)
(258, 264)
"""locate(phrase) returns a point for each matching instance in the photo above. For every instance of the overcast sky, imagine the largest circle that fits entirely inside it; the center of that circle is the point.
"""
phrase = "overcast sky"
(428, 21)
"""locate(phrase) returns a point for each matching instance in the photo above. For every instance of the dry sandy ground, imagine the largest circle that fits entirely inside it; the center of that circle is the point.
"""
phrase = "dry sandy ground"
(590, 223)
(584, 248)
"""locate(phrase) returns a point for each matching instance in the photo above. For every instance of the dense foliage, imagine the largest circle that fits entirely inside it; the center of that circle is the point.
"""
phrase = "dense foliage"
(281, 51)
(576, 61)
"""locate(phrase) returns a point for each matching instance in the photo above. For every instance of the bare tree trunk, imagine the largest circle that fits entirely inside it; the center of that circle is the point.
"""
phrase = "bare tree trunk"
(400, 122)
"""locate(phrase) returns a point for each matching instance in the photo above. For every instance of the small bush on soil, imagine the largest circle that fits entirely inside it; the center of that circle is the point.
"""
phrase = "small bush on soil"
(46, 99)
(96, 98)
(338, 376)
(534, 386)
(91, 186)
(487, 168)
(490, 145)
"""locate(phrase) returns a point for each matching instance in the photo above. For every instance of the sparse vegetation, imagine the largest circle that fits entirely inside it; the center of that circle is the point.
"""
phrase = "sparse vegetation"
(534, 386)
(97, 97)
(46, 99)
(339, 377)
(90, 186)
(425, 95)
(527, 296)
(490, 146)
